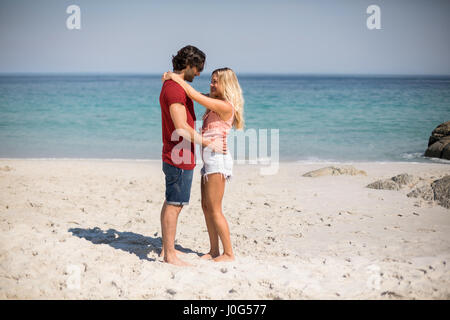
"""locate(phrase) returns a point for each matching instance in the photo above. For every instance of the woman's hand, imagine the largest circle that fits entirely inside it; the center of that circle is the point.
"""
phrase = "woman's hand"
(167, 76)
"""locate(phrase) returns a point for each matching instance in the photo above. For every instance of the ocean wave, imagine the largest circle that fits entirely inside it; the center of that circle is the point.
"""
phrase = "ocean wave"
(412, 155)
(420, 156)
(438, 160)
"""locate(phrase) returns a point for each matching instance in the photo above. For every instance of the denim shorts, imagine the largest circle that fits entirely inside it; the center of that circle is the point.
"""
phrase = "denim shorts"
(215, 162)
(178, 184)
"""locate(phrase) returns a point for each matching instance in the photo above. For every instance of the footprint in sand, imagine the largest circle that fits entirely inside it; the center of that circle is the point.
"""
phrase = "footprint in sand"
(426, 230)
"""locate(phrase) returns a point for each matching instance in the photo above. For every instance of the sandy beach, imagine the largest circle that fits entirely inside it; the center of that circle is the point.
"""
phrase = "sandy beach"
(90, 229)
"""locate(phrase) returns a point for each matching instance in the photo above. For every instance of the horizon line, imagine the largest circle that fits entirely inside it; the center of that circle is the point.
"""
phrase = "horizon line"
(241, 73)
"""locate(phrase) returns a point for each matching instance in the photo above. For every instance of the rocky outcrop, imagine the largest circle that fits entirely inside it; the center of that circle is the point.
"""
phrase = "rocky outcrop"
(429, 189)
(394, 183)
(425, 192)
(439, 142)
(438, 190)
(441, 190)
(384, 184)
(335, 171)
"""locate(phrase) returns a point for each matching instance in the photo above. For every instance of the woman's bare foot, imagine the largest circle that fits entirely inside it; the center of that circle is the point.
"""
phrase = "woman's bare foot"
(224, 258)
(209, 256)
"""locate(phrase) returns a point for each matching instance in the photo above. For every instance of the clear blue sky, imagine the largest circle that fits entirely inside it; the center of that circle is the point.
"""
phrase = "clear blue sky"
(253, 36)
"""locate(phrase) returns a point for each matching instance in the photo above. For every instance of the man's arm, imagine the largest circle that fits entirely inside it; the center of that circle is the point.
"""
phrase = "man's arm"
(179, 118)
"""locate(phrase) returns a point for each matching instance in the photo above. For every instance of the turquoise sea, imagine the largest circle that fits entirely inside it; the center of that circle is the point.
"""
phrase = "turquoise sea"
(329, 118)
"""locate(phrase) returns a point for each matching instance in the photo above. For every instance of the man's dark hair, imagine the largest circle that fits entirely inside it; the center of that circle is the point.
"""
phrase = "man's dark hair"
(189, 56)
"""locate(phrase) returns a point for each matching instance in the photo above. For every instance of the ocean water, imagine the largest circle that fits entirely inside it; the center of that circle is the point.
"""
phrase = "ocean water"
(329, 118)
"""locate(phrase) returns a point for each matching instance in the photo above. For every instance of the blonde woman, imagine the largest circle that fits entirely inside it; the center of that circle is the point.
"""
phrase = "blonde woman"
(225, 109)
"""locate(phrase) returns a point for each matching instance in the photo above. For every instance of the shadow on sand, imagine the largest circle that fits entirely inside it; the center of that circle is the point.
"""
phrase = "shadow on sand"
(127, 241)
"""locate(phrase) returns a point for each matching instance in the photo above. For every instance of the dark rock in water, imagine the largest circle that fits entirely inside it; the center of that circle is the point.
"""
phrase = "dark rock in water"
(446, 152)
(441, 189)
(442, 130)
(436, 150)
(394, 183)
(439, 142)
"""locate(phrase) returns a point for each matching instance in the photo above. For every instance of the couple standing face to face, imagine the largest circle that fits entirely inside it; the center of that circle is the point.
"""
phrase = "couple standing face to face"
(178, 116)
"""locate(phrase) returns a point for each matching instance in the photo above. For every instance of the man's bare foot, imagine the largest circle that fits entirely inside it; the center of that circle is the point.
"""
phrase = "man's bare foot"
(224, 258)
(177, 262)
(161, 255)
(209, 256)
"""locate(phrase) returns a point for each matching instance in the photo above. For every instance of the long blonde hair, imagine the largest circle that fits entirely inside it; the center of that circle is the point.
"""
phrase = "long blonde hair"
(232, 93)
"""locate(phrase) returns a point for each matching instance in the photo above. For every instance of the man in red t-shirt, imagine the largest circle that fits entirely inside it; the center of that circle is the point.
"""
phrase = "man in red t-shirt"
(178, 153)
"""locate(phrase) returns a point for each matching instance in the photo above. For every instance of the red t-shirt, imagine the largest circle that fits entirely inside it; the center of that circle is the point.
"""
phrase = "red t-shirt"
(176, 151)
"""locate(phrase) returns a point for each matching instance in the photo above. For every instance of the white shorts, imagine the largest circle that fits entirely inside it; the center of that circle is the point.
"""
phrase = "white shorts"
(214, 162)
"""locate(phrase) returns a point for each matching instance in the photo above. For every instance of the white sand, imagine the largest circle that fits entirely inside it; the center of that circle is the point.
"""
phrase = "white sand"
(88, 229)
